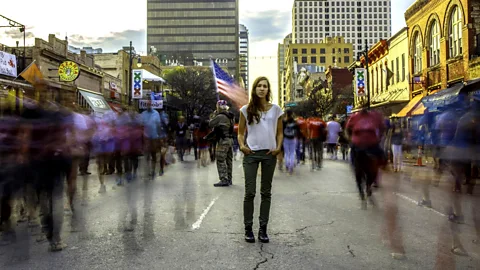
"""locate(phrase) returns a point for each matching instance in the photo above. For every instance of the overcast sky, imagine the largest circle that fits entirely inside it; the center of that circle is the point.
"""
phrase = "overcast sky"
(111, 24)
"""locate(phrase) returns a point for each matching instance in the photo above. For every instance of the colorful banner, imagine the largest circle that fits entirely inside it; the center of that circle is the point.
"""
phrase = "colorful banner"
(156, 104)
(8, 64)
(361, 82)
(137, 84)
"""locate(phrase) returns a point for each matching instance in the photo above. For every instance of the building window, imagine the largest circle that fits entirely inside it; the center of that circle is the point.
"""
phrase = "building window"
(295, 51)
(455, 33)
(417, 54)
(304, 51)
(381, 78)
(304, 60)
(434, 39)
(339, 60)
(313, 60)
(322, 60)
(322, 51)
(346, 59)
(346, 50)
(403, 67)
(314, 51)
(397, 68)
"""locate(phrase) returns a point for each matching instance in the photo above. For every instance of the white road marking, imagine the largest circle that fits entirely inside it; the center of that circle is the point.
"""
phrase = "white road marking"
(415, 202)
(197, 224)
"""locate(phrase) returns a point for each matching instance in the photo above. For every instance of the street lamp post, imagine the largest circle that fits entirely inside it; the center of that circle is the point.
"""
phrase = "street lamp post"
(366, 76)
(139, 64)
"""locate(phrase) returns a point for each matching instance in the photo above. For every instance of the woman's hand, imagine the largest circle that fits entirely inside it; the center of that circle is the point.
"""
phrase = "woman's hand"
(274, 152)
(246, 150)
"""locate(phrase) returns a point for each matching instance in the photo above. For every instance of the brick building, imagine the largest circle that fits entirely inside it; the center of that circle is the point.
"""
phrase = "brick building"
(443, 46)
(339, 85)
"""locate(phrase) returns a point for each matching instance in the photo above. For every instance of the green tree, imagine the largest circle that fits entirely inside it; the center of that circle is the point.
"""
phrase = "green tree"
(195, 88)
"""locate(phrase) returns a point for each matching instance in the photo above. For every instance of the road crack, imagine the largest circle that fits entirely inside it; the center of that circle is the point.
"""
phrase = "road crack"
(312, 226)
(351, 251)
(265, 259)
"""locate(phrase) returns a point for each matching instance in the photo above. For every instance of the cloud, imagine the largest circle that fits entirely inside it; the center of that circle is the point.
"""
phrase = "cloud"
(15, 33)
(268, 25)
(113, 41)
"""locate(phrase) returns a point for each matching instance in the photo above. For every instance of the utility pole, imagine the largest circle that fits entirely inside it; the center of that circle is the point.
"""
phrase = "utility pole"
(366, 75)
(130, 63)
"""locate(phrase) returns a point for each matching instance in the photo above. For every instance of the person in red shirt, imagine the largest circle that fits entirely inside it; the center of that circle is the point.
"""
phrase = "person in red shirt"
(302, 139)
(365, 130)
(203, 144)
(317, 134)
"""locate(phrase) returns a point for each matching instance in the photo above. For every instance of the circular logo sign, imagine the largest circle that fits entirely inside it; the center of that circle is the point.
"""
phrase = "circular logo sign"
(68, 71)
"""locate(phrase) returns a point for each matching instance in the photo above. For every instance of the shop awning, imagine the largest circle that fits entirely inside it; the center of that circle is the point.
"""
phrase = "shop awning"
(115, 107)
(443, 97)
(419, 110)
(148, 76)
(409, 107)
(96, 101)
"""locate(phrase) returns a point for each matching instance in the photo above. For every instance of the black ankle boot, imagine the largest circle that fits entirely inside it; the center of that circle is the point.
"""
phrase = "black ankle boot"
(262, 234)
(249, 236)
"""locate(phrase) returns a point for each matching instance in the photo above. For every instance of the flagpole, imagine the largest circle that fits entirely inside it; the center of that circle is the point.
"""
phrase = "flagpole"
(24, 70)
(214, 78)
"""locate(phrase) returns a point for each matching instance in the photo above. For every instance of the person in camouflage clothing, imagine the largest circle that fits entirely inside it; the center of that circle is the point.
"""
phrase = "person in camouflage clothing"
(222, 123)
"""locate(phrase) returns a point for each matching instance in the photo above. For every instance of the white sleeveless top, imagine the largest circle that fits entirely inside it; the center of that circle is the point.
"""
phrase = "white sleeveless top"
(263, 135)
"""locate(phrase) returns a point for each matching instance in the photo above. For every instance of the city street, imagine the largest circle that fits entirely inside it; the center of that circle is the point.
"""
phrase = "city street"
(316, 223)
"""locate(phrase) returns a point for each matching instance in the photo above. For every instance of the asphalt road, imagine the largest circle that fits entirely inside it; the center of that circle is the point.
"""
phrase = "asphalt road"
(316, 223)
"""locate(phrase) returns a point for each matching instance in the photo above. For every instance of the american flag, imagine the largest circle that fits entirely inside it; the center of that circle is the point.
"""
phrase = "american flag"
(222, 79)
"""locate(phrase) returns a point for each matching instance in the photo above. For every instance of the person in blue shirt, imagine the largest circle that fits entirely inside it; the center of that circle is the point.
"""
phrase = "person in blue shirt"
(151, 122)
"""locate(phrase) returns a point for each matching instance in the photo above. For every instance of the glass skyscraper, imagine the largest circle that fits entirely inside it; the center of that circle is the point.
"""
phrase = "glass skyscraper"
(191, 32)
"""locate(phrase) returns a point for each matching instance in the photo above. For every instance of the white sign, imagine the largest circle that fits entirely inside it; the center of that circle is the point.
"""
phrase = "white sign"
(98, 103)
(361, 82)
(137, 83)
(156, 104)
(8, 64)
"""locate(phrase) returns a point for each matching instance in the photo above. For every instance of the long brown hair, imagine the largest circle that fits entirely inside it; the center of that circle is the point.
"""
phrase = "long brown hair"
(253, 108)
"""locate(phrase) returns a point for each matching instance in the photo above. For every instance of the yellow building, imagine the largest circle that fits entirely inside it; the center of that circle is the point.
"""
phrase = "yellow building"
(443, 54)
(388, 83)
(314, 58)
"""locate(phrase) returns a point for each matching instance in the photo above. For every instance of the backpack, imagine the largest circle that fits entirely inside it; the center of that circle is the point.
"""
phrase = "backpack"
(290, 130)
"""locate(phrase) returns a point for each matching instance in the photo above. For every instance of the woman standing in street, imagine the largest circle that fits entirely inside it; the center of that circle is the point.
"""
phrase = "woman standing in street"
(265, 135)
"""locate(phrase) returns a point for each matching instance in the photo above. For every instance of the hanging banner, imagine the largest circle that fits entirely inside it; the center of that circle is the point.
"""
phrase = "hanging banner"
(156, 104)
(137, 84)
(8, 64)
(361, 82)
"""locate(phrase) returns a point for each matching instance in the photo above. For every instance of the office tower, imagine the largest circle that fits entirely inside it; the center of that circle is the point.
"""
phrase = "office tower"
(191, 32)
(355, 20)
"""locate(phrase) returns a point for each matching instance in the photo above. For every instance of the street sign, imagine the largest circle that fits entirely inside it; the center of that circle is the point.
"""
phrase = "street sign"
(349, 109)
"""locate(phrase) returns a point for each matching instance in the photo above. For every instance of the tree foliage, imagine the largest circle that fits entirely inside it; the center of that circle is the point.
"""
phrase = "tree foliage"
(195, 88)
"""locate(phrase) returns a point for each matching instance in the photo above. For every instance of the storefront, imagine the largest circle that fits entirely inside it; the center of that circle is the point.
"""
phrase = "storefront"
(94, 100)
